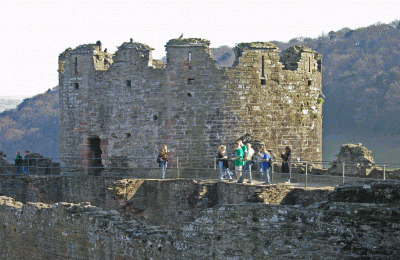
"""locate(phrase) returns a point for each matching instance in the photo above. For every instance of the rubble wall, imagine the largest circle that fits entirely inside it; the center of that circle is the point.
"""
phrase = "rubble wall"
(329, 230)
(166, 203)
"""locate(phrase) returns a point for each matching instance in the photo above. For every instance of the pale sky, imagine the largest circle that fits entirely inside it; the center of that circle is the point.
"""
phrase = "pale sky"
(34, 33)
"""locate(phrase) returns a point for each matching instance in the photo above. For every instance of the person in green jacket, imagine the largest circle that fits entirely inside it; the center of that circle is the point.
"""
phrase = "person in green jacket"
(244, 149)
(238, 163)
(18, 162)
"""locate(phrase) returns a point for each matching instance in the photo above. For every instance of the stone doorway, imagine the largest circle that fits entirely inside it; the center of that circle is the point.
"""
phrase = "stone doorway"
(95, 152)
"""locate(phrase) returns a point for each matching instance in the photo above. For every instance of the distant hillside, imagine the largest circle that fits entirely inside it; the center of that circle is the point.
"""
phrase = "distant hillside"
(361, 77)
(7, 104)
(361, 82)
(33, 125)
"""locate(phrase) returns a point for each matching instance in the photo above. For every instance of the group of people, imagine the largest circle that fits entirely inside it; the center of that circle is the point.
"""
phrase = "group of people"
(22, 164)
(244, 158)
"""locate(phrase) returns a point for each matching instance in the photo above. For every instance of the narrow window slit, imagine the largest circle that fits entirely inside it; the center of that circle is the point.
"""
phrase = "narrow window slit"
(262, 67)
(76, 66)
(190, 59)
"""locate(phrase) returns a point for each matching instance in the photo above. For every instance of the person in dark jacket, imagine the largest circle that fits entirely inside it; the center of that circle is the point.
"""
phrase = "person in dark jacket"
(18, 163)
(223, 163)
(287, 162)
(26, 162)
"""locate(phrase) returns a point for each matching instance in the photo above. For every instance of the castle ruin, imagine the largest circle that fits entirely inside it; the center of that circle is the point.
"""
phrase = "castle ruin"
(125, 105)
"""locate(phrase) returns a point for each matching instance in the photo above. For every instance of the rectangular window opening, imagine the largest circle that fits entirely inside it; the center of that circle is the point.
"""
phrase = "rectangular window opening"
(76, 86)
(263, 82)
(190, 59)
(309, 64)
(129, 83)
(190, 81)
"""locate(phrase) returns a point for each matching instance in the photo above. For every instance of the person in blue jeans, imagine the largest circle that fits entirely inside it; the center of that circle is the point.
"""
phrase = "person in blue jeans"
(248, 159)
(223, 163)
(18, 162)
(259, 157)
(163, 155)
(265, 161)
(26, 162)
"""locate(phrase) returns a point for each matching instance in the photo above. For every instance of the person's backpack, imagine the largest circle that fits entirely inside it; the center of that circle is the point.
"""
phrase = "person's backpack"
(271, 159)
(19, 161)
(159, 159)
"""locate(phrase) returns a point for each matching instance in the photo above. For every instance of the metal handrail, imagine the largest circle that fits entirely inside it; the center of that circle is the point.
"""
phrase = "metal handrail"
(54, 166)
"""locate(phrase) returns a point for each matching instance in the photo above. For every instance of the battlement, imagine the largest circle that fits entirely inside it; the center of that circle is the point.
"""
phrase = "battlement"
(297, 56)
(256, 46)
(135, 45)
(187, 42)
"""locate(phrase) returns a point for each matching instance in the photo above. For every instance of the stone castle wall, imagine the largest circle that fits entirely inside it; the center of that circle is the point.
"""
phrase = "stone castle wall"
(133, 104)
(359, 221)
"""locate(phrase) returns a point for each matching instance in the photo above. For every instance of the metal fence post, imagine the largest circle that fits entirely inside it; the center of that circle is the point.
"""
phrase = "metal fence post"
(343, 174)
(306, 173)
(272, 174)
(177, 165)
(215, 166)
(384, 172)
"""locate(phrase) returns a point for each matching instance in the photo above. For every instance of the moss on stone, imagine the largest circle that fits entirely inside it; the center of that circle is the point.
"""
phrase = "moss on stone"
(185, 41)
(256, 45)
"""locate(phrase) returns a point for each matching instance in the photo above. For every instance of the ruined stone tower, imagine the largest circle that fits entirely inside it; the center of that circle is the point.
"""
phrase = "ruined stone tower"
(125, 105)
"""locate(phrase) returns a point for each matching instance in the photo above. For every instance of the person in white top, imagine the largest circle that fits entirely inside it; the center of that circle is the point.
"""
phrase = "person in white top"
(248, 158)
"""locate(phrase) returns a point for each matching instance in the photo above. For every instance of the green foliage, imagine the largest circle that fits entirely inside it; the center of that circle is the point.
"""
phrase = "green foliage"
(316, 116)
(320, 101)
(298, 95)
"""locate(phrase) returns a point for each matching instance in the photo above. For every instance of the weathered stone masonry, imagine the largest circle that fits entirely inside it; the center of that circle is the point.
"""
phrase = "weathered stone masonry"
(359, 221)
(125, 105)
